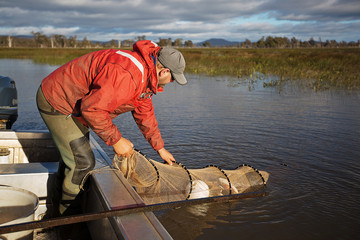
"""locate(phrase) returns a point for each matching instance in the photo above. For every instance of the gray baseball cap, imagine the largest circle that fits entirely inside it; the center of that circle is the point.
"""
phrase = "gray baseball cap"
(173, 59)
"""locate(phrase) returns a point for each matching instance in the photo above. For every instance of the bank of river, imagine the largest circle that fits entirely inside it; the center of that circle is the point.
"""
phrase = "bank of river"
(320, 68)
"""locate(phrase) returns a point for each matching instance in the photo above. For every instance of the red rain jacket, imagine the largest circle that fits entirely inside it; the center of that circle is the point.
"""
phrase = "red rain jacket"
(98, 86)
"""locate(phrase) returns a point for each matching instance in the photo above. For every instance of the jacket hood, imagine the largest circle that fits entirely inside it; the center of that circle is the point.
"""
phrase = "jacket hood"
(149, 50)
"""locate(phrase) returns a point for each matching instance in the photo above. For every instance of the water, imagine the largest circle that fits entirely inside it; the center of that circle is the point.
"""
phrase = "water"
(308, 142)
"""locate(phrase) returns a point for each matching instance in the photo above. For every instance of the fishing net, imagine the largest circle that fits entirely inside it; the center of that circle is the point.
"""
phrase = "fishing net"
(158, 183)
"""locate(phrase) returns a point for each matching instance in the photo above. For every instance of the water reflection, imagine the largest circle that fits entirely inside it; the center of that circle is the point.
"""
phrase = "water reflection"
(308, 141)
(27, 76)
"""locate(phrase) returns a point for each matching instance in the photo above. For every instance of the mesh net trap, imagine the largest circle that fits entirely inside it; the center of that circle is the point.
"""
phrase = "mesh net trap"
(159, 183)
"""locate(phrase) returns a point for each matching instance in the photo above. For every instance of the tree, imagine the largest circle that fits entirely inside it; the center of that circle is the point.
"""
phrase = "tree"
(60, 40)
(319, 44)
(294, 43)
(128, 42)
(86, 43)
(72, 41)
(189, 43)
(162, 42)
(206, 44)
(52, 41)
(178, 42)
(247, 43)
(270, 42)
(40, 39)
(10, 40)
(312, 42)
(261, 42)
(113, 43)
(139, 38)
(352, 44)
(282, 42)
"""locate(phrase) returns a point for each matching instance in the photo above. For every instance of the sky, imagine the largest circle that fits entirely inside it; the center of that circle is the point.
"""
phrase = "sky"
(195, 20)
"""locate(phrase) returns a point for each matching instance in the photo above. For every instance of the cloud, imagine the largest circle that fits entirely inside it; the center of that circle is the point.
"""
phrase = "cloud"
(187, 19)
(314, 10)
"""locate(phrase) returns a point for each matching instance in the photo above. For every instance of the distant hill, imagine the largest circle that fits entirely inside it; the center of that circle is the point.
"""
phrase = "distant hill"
(218, 42)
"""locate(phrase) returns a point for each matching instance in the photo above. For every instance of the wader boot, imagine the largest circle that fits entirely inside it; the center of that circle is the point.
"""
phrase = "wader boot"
(72, 139)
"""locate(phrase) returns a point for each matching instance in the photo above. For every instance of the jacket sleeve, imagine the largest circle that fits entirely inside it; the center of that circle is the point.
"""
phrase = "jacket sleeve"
(111, 88)
(145, 118)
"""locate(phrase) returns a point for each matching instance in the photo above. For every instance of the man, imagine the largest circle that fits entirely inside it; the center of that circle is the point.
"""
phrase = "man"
(89, 91)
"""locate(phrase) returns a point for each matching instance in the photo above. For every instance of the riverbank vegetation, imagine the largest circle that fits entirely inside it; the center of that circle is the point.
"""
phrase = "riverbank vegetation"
(322, 67)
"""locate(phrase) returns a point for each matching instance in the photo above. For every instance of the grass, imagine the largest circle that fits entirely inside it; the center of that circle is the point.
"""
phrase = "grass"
(322, 67)
(52, 56)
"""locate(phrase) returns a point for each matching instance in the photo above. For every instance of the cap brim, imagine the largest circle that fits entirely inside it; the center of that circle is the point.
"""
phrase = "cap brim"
(180, 78)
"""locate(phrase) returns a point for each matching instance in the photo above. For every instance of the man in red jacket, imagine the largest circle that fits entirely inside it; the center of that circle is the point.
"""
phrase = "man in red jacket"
(89, 91)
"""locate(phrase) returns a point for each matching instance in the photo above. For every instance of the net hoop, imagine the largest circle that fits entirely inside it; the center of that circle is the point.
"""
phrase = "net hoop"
(190, 178)
(156, 169)
(257, 171)
(223, 172)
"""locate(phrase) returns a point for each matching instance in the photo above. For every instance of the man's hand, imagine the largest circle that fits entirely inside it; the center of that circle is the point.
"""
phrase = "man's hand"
(123, 148)
(166, 156)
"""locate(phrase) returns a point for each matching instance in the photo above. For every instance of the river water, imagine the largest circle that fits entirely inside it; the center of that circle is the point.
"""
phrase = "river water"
(308, 141)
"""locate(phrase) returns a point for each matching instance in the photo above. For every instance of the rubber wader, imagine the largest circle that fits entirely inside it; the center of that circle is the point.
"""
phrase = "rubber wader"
(72, 139)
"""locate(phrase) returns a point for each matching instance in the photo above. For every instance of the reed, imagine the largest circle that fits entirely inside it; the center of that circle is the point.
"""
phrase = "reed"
(322, 68)
(52, 56)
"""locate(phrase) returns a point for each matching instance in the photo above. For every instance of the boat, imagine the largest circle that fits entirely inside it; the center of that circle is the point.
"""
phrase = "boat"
(32, 165)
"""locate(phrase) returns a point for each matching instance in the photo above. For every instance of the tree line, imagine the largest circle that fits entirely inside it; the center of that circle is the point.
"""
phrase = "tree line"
(40, 40)
(284, 42)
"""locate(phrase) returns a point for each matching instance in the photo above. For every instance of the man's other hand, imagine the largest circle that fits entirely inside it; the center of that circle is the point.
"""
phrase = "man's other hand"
(166, 156)
(124, 148)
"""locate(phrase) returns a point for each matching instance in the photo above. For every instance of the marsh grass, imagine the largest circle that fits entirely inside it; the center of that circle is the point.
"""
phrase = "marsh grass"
(56, 56)
(321, 68)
